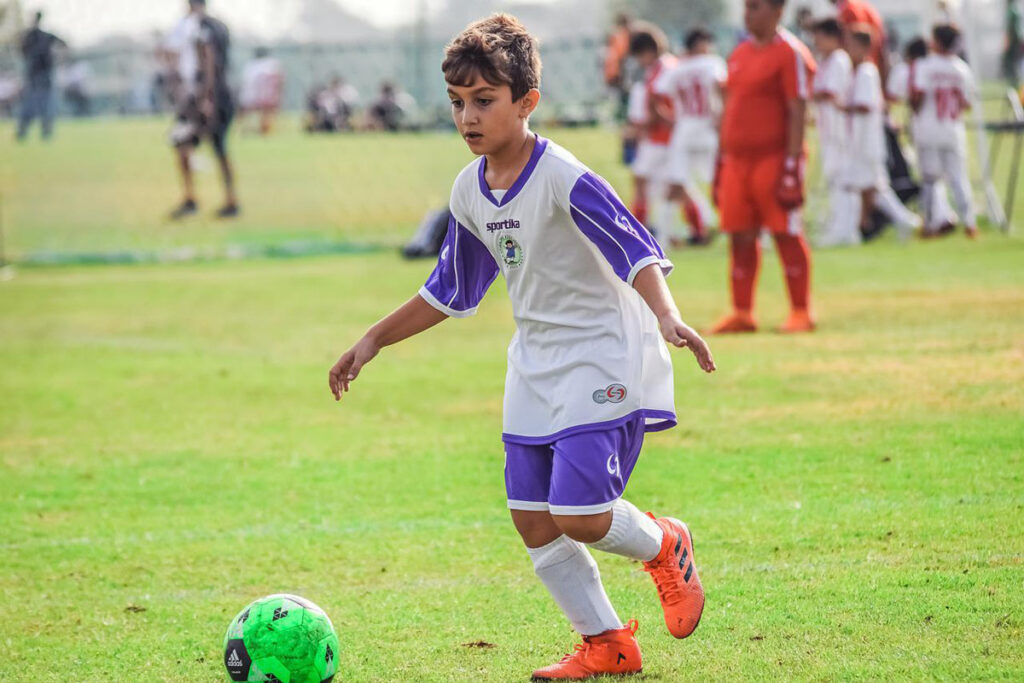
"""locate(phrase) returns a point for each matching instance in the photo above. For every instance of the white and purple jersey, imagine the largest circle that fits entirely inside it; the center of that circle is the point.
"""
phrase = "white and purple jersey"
(587, 352)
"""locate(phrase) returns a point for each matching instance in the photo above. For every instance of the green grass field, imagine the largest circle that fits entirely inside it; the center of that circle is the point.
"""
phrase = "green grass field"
(169, 450)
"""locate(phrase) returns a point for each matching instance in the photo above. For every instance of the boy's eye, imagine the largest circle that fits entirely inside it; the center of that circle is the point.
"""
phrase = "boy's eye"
(456, 103)
(483, 102)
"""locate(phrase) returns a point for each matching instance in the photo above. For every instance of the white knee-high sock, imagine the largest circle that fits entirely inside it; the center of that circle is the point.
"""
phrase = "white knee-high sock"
(632, 533)
(571, 576)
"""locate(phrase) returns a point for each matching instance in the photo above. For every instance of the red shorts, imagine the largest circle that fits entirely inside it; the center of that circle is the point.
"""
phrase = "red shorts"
(746, 195)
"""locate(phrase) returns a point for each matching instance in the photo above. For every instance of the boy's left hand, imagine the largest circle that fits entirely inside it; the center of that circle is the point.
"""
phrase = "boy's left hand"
(679, 334)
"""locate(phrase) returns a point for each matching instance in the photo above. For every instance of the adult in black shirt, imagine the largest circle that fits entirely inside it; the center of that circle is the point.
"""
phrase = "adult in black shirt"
(37, 47)
(205, 107)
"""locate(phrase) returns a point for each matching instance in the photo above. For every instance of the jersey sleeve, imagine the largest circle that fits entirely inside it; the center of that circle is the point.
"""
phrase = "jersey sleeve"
(796, 75)
(663, 83)
(967, 80)
(897, 87)
(918, 76)
(719, 70)
(865, 90)
(636, 105)
(464, 272)
(602, 218)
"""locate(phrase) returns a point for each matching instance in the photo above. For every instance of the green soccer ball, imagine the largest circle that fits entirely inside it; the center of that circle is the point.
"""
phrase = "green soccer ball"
(281, 638)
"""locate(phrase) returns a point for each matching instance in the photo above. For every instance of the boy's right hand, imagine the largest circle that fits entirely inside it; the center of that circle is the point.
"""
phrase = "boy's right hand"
(348, 366)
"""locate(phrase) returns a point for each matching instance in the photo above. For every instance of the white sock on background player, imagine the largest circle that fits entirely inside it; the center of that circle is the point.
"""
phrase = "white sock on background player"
(632, 533)
(571, 576)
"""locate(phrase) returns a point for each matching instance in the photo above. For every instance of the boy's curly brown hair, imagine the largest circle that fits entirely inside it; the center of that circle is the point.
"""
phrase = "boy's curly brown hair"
(499, 49)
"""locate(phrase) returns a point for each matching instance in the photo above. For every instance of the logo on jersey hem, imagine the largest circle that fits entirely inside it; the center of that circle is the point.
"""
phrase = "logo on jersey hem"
(613, 393)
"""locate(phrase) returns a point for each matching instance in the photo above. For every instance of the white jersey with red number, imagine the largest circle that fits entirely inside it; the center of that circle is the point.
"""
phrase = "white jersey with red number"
(694, 89)
(947, 86)
(833, 78)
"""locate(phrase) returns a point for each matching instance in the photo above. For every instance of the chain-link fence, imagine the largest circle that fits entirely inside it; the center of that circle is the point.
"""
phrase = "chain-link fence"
(126, 81)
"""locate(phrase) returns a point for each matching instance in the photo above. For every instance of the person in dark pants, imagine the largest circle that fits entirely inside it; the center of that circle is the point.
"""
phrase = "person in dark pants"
(37, 47)
(204, 106)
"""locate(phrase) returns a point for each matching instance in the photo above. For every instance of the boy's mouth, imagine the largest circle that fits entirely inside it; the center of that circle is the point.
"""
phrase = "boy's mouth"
(472, 136)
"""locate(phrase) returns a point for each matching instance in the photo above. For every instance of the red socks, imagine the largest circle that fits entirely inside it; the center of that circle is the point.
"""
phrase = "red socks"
(693, 219)
(745, 261)
(640, 210)
(796, 264)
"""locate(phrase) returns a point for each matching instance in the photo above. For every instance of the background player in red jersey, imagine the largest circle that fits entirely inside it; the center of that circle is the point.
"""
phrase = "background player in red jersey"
(760, 178)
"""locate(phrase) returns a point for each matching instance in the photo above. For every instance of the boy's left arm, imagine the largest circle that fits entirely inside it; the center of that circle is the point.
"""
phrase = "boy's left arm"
(650, 283)
(634, 255)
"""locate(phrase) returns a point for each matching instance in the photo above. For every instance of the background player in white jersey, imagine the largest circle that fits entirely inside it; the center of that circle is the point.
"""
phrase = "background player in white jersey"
(866, 172)
(694, 90)
(262, 84)
(588, 372)
(939, 217)
(831, 87)
(649, 47)
(942, 88)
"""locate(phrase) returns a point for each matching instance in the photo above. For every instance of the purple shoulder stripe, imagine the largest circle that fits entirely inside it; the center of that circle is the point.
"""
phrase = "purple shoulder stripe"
(601, 216)
(464, 272)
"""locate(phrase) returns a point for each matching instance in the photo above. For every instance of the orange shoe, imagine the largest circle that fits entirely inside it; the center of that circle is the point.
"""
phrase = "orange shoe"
(612, 653)
(799, 320)
(734, 323)
(675, 576)
(972, 232)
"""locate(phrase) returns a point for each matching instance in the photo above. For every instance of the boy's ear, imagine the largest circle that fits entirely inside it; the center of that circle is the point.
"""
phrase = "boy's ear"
(528, 102)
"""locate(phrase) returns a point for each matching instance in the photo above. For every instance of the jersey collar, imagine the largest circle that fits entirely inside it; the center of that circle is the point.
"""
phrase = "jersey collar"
(538, 149)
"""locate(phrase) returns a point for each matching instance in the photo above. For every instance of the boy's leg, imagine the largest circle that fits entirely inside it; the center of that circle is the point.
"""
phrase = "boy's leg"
(27, 110)
(702, 161)
(563, 565)
(955, 169)
(930, 161)
(47, 111)
(568, 571)
(639, 207)
(582, 475)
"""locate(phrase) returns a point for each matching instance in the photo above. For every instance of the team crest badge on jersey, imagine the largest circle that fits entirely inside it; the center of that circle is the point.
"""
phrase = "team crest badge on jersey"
(613, 393)
(511, 252)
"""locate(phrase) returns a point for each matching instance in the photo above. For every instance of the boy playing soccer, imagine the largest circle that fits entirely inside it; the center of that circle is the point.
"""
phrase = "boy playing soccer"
(587, 373)
(941, 90)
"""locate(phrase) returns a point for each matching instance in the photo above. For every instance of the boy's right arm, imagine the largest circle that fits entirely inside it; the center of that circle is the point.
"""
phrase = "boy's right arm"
(409, 319)
(465, 270)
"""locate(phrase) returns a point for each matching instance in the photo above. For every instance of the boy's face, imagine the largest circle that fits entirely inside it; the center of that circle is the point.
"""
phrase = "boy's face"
(761, 17)
(701, 47)
(486, 116)
(646, 58)
(824, 43)
(858, 51)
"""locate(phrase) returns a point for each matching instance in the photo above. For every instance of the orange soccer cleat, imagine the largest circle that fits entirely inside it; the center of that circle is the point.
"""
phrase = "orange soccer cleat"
(734, 323)
(675, 576)
(799, 320)
(612, 653)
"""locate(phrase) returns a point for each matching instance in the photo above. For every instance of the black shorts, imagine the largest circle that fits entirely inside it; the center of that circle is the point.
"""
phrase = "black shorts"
(192, 126)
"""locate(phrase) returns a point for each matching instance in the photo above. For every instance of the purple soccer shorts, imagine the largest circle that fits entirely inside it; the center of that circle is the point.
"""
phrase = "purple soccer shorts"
(579, 474)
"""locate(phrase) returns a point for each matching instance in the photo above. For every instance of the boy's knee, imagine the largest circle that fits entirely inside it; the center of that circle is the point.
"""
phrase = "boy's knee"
(584, 528)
